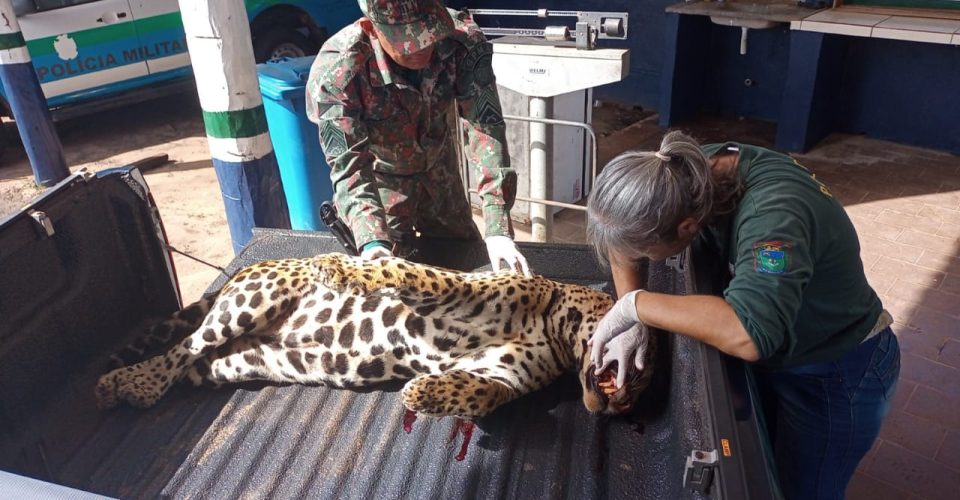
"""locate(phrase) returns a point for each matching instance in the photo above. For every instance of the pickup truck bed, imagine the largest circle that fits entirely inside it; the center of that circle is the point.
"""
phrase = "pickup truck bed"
(76, 295)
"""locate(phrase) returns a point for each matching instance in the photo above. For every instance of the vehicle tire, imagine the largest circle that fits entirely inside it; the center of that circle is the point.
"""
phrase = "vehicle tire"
(280, 41)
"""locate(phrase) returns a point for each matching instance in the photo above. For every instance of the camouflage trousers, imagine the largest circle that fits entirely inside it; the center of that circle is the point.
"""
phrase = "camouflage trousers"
(432, 203)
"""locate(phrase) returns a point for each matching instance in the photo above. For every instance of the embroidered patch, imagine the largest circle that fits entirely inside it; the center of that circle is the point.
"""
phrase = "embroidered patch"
(771, 257)
(487, 107)
(333, 139)
(477, 67)
(483, 71)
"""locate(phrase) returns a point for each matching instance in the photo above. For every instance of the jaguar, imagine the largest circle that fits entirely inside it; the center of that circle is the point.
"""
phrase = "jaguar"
(466, 343)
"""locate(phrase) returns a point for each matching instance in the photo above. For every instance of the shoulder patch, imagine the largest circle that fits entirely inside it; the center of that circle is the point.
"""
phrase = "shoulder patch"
(771, 257)
(480, 62)
(476, 67)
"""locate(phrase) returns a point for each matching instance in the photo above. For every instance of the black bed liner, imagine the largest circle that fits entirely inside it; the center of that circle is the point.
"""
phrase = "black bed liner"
(271, 441)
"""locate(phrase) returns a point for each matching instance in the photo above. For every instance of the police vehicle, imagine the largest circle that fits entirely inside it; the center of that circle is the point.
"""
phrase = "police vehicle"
(95, 54)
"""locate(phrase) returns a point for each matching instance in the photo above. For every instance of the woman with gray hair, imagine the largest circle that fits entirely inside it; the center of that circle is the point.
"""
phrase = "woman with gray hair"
(798, 304)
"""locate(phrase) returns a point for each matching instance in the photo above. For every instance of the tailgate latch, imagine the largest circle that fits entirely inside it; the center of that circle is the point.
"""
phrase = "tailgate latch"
(698, 474)
(677, 262)
(43, 220)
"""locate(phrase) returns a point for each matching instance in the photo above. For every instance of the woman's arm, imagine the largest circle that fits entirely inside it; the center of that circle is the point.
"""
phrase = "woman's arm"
(706, 318)
(626, 275)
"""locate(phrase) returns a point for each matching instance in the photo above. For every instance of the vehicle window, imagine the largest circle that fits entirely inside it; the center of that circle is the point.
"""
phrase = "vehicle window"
(22, 7)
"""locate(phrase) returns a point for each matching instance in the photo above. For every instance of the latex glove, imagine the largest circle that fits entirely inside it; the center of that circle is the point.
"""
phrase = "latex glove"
(629, 346)
(606, 344)
(502, 248)
(373, 252)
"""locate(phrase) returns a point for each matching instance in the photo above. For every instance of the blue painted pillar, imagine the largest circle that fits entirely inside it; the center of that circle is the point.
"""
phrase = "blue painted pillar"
(28, 104)
(811, 92)
(221, 52)
(685, 82)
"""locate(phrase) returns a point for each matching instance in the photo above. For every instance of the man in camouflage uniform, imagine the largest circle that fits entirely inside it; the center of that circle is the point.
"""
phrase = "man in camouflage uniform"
(386, 92)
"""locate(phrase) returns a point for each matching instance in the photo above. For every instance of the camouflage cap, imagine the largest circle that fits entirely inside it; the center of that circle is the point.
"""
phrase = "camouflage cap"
(409, 25)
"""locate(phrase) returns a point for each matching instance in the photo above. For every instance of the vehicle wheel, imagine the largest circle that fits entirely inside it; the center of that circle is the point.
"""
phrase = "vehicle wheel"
(277, 42)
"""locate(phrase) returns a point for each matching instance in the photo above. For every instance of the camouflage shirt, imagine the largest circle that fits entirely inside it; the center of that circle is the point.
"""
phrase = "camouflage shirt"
(374, 119)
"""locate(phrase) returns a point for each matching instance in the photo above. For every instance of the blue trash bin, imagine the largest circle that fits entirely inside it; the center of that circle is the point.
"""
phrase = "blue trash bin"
(303, 169)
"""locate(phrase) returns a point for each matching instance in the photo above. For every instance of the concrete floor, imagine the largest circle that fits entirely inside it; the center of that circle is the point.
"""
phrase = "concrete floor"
(905, 204)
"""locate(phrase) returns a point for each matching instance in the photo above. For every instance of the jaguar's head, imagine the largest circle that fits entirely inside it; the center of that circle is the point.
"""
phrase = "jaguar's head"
(600, 391)
(601, 394)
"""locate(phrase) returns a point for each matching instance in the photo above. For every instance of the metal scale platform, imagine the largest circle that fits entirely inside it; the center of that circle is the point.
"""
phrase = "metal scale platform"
(539, 68)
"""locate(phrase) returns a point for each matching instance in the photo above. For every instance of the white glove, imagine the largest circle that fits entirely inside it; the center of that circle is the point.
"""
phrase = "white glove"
(631, 344)
(619, 336)
(503, 248)
(374, 252)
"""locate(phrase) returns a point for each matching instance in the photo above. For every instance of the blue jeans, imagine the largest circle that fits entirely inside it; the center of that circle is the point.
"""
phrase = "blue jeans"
(822, 418)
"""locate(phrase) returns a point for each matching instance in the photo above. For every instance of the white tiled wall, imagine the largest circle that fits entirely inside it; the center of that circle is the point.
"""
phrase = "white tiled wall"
(917, 29)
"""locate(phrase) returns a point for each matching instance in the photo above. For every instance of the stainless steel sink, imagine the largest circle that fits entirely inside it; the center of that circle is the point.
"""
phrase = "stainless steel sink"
(751, 9)
(743, 22)
(736, 13)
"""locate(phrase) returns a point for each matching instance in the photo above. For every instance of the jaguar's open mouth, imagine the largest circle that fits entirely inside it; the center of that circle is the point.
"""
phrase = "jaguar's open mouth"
(605, 387)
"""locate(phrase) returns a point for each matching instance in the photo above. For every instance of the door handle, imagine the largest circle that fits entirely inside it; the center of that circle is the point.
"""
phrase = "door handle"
(111, 17)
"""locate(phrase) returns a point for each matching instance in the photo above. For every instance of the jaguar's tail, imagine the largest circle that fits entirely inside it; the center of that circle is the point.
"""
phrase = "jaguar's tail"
(163, 334)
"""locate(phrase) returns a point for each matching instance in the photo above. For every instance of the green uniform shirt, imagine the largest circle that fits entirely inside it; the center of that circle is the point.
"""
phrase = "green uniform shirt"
(379, 122)
(798, 283)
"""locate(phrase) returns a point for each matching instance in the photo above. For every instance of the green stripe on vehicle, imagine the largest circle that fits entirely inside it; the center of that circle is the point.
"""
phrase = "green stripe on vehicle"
(110, 33)
(159, 23)
(11, 40)
(85, 38)
(233, 124)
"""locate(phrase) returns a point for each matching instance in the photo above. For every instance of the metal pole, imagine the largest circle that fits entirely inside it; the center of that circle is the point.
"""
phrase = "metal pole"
(541, 13)
(541, 178)
(221, 52)
(568, 123)
(28, 104)
(552, 203)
